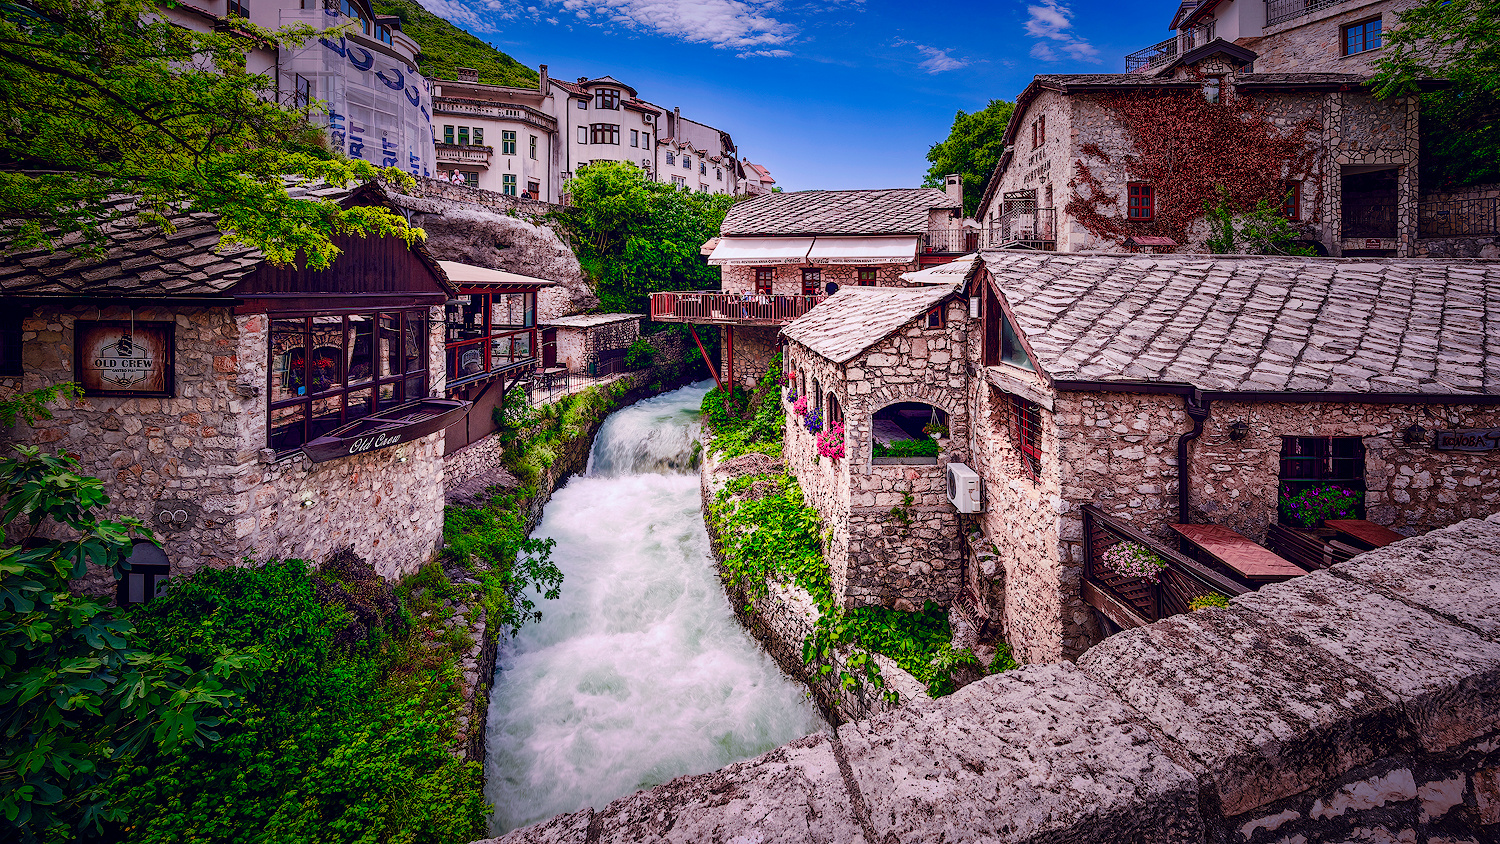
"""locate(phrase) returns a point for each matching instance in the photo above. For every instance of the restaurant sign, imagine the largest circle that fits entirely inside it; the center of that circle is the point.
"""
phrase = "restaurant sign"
(1468, 439)
(124, 357)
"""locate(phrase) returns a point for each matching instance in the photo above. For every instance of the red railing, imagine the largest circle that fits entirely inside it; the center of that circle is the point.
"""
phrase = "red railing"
(730, 308)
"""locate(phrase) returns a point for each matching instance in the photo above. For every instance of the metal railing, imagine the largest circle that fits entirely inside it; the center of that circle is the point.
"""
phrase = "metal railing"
(1459, 217)
(1133, 601)
(1165, 52)
(950, 241)
(1278, 11)
(1373, 221)
(1022, 225)
(731, 308)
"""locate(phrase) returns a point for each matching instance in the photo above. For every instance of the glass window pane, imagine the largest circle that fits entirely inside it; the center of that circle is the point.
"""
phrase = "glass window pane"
(288, 359)
(466, 361)
(286, 428)
(416, 342)
(358, 404)
(390, 345)
(327, 414)
(361, 344)
(416, 388)
(390, 396)
(327, 365)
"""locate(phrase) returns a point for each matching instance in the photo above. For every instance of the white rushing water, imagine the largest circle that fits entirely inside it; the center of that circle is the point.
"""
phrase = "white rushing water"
(639, 673)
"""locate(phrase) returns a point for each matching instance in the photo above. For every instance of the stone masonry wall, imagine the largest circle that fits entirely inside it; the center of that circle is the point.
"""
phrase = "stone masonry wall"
(1483, 243)
(1039, 168)
(1356, 704)
(1313, 43)
(754, 346)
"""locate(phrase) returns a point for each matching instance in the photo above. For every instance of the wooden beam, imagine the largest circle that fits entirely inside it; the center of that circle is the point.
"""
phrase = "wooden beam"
(1115, 611)
(692, 329)
(729, 359)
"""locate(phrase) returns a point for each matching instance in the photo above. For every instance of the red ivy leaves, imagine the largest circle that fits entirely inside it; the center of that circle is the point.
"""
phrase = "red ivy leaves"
(1187, 148)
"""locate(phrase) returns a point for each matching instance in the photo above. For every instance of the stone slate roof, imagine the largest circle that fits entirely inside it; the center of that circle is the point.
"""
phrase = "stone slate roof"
(953, 273)
(142, 261)
(836, 212)
(856, 318)
(1250, 323)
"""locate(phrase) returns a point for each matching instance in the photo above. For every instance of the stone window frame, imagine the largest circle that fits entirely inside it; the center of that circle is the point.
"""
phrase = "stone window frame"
(1361, 30)
(385, 391)
(1140, 201)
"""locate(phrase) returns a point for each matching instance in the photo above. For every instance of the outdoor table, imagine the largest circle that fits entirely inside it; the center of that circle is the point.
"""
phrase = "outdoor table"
(1377, 536)
(1239, 553)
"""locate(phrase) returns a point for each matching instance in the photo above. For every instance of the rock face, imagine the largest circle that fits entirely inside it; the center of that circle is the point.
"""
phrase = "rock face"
(1355, 704)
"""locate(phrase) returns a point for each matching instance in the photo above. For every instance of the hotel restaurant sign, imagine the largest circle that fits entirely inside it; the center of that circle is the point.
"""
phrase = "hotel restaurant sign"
(124, 357)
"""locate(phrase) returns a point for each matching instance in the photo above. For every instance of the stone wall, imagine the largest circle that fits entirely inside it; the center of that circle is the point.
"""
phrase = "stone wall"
(1354, 704)
(1313, 43)
(1044, 167)
(754, 346)
(1471, 210)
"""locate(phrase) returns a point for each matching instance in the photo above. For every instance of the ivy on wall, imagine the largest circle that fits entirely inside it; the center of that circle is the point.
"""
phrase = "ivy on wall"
(1189, 150)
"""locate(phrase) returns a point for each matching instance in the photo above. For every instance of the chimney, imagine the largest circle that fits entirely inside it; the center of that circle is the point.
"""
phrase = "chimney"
(582, 79)
(953, 185)
(468, 74)
(542, 82)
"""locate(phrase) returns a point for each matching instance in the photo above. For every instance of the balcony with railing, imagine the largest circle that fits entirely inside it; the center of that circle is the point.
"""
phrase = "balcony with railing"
(715, 308)
(1167, 51)
(1034, 227)
(950, 241)
(469, 155)
(1280, 11)
(478, 108)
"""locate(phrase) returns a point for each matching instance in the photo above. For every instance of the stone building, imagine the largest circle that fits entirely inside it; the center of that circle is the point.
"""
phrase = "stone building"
(783, 253)
(589, 344)
(881, 365)
(207, 370)
(1070, 151)
(1151, 390)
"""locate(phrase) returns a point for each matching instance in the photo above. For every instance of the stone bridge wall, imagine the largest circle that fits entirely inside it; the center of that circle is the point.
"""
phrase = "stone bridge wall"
(1361, 703)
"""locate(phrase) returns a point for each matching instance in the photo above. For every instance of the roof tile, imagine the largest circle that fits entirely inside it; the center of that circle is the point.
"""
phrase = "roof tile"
(834, 212)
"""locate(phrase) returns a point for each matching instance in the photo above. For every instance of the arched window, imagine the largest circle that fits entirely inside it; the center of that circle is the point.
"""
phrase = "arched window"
(147, 578)
(815, 396)
(835, 413)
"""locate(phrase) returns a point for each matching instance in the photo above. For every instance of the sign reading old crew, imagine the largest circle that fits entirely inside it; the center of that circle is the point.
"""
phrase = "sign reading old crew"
(124, 357)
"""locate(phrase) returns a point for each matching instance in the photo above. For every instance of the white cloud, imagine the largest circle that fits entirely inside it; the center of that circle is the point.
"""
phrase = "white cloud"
(770, 54)
(1052, 20)
(458, 12)
(939, 60)
(721, 23)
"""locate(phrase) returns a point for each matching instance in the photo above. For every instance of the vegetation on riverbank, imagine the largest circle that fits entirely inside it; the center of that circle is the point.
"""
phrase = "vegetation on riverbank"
(769, 533)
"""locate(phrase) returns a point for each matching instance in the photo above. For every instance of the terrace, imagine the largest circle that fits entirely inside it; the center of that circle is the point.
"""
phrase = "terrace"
(711, 307)
(1034, 227)
(1163, 53)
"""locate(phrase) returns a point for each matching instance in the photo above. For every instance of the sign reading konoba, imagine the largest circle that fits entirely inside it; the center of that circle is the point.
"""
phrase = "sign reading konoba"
(124, 357)
(1468, 439)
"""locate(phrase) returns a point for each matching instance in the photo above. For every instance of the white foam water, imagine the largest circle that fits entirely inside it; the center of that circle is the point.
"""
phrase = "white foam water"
(639, 673)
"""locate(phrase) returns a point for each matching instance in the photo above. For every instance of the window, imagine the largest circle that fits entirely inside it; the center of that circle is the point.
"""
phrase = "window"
(583, 134)
(1315, 462)
(1362, 37)
(1011, 350)
(488, 333)
(1291, 200)
(670, 159)
(148, 571)
(448, 134)
(812, 281)
(1026, 429)
(383, 33)
(535, 189)
(764, 277)
(350, 9)
(1039, 131)
(583, 103)
(866, 276)
(533, 147)
(471, 177)
(718, 174)
(935, 317)
(327, 371)
(607, 98)
(305, 91)
(10, 340)
(239, 7)
(479, 137)
(1141, 204)
(702, 168)
(687, 162)
(463, 135)
(646, 139)
(635, 137)
(703, 188)
(679, 181)
(604, 133)
(508, 184)
(1212, 87)
(507, 142)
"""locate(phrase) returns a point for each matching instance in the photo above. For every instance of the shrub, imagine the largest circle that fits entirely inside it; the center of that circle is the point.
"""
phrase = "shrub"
(908, 448)
(1003, 660)
(1311, 506)
(1212, 599)
(1132, 559)
(640, 355)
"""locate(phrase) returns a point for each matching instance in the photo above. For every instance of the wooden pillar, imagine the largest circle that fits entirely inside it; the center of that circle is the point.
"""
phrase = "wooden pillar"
(729, 358)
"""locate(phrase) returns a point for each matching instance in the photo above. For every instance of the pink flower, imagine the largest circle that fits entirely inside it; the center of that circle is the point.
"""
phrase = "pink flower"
(799, 406)
(831, 442)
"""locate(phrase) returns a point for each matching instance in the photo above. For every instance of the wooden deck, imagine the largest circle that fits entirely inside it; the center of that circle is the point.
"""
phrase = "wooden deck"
(715, 308)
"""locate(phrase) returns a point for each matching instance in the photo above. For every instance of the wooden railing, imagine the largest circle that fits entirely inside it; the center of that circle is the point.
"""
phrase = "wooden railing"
(950, 241)
(1132, 601)
(731, 308)
(1022, 225)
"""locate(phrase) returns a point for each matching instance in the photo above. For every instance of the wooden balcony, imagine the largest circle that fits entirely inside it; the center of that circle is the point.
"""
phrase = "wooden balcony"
(714, 308)
(950, 241)
(1034, 227)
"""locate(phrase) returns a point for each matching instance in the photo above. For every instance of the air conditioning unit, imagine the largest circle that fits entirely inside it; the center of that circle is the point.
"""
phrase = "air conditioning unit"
(965, 489)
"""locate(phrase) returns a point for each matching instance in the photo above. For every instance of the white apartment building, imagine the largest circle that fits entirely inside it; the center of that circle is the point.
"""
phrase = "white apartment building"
(1287, 36)
(604, 120)
(499, 138)
(378, 107)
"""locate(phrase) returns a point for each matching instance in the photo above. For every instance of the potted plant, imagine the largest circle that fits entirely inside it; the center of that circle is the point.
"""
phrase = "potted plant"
(936, 430)
(1132, 559)
(1310, 507)
(813, 420)
(831, 442)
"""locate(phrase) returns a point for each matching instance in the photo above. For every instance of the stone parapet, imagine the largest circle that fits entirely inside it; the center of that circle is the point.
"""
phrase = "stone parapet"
(1360, 703)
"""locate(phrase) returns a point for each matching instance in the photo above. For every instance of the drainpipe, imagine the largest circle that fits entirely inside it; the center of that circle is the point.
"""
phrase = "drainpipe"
(1197, 408)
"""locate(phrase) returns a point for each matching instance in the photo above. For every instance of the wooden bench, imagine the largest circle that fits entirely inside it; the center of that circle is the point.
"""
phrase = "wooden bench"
(1239, 553)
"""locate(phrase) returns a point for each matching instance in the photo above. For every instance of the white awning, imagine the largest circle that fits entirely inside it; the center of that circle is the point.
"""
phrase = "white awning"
(468, 275)
(864, 250)
(760, 250)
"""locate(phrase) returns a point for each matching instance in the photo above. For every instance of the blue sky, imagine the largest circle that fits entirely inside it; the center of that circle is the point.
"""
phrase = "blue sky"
(833, 94)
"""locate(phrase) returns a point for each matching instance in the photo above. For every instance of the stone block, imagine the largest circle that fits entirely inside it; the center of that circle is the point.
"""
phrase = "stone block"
(562, 829)
(1247, 706)
(1038, 754)
(1454, 572)
(795, 793)
(1446, 678)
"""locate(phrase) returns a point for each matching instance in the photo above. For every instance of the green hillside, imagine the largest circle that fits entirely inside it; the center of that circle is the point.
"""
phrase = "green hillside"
(445, 47)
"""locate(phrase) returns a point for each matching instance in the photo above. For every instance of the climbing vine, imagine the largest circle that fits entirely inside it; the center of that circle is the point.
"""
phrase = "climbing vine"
(1188, 149)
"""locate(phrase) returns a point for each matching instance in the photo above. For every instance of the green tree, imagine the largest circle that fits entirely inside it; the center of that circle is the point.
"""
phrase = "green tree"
(107, 97)
(972, 149)
(446, 48)
(635, 236)
(1456, 40)
(78, 698)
